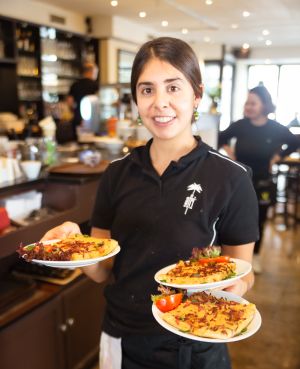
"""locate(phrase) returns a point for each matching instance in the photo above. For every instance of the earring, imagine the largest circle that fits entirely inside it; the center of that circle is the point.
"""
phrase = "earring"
(196, 115)
(139, 120)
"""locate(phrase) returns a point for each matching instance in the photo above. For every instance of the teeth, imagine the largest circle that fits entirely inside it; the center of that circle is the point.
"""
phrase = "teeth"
(163, 119)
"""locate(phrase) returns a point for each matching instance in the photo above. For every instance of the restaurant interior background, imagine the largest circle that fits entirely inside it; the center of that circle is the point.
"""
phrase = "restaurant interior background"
(43, 45)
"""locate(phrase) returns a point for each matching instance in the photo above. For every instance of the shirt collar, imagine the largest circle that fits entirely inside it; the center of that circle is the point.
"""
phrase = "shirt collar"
(141, 155)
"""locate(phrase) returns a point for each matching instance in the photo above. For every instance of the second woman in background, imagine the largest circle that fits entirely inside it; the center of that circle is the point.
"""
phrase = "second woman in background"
(259, 142)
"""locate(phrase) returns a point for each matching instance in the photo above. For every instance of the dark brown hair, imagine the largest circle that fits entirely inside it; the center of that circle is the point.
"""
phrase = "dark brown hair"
(265, 98)
(174, 51)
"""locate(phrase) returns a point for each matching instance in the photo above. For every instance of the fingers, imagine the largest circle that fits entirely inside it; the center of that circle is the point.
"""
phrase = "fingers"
(62, 231)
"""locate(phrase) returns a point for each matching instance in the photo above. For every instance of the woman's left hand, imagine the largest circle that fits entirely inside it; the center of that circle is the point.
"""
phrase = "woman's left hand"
(239, 287)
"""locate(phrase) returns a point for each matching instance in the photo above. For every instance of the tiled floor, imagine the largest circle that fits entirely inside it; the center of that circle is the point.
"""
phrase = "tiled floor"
(277, 296)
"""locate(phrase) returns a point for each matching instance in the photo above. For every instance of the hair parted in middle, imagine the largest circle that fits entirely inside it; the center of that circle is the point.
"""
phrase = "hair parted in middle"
(174, 51)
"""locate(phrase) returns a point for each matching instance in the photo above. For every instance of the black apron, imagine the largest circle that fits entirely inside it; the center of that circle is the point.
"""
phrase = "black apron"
(172, 352)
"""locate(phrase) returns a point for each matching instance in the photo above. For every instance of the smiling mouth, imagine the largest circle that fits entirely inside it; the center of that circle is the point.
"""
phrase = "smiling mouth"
(163, 120)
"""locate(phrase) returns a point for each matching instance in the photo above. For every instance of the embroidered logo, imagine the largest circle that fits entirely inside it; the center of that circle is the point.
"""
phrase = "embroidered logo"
(189, 201)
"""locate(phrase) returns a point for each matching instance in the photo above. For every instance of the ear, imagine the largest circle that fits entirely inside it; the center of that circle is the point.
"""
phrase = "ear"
(199, 97)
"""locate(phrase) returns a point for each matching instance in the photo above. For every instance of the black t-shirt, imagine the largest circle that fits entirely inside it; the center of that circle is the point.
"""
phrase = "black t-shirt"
(204, 198)
(256, 145)
(78, 90)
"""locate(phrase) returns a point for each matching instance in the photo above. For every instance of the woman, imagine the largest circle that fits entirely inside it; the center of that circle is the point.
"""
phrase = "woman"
(259, 143)
(144, 202)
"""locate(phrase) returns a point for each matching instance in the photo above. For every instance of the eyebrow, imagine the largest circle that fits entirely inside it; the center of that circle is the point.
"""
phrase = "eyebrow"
(168, 80)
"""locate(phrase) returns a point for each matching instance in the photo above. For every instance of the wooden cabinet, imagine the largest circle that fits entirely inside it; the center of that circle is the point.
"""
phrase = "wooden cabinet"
(35, 340)
(63, 333)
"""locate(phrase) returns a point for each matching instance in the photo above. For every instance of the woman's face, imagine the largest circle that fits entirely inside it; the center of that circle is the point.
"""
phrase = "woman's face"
(254, 108)
(165, 100)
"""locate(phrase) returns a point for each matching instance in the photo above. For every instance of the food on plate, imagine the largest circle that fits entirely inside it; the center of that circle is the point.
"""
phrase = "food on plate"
(205, 315)
(206, 265)
(77, 247)
(168, 300)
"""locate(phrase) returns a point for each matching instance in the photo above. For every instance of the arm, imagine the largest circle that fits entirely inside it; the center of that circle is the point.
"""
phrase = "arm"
(226, 135)
(101, 271)
(244, 252)
(98, 272)
(289, 139)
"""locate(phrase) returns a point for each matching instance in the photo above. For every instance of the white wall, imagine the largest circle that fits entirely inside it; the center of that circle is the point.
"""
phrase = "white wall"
(277, 54)
(241, 90)
(39, 13)
(207, 51)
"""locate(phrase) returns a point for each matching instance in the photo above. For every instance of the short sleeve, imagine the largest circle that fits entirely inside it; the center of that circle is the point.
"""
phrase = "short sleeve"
(238, 223)
(103, 211)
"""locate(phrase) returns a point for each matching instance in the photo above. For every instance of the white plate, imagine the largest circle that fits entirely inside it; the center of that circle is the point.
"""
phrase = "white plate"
(242, 269)
(252, 328)
(73, 263)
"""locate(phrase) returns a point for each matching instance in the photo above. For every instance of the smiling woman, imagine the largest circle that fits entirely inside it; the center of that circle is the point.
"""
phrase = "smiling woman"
(159, 202)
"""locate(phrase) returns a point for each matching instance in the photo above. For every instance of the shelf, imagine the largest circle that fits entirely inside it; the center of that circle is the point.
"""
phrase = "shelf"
(8, 61)
(31, 100)
(67, 77)
(33, 54)
(28, 77)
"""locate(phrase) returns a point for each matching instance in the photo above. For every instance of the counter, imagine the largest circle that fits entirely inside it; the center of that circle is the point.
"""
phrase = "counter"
(46, 328)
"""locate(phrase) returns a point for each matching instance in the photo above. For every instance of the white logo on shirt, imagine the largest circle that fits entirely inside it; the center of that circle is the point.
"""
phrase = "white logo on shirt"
(189, 201)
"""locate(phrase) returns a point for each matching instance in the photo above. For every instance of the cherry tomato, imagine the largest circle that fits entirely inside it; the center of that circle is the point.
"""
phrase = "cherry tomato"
(218, 259)
(170, 302)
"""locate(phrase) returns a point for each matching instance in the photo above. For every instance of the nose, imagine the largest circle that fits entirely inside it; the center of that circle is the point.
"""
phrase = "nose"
(161, 99)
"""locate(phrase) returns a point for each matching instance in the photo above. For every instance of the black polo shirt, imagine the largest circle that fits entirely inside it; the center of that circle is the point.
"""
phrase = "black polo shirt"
(204, 198)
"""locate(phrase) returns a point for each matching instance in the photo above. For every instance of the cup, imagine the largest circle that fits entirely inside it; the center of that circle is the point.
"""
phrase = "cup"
(31, 168)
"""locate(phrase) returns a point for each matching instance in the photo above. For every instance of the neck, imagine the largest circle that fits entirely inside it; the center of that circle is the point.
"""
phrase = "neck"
(259, 121)
(162, 152)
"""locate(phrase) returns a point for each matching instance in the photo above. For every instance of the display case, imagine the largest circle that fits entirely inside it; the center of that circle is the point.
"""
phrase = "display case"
(29, 71)
(8, 75)
(62, 55)
(38, 65)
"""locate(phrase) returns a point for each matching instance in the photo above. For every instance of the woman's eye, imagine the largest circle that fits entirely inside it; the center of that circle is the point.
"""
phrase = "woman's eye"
(173, 88)
(146, 91)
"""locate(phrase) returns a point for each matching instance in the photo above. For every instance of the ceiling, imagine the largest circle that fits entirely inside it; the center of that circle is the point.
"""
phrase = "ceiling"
(210, 24)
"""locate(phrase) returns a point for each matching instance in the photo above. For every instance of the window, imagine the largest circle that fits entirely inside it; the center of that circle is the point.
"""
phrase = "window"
(283, 82)
(125, 61)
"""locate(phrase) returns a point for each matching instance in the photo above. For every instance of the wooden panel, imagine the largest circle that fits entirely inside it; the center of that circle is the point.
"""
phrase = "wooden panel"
(84, 309)
(35, 341)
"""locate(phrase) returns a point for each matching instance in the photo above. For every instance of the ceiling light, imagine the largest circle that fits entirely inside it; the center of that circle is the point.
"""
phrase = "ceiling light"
(246, 14)
(268, 42)
(265, 32)
(234, 26)
(246, 46)
(114, 3)
(206, 39)
(142, 14)
(208, 2)
(165, 23)
(184, 31)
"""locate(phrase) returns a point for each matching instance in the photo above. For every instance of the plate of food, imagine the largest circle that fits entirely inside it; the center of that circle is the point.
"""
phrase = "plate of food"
(206, 269)
(208, 316)
(71, 252)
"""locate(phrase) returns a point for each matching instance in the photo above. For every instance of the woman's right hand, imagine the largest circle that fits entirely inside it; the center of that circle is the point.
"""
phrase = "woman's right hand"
(62, 231)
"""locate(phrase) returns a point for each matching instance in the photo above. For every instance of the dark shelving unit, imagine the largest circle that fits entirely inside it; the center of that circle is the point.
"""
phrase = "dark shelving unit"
(25, 66)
